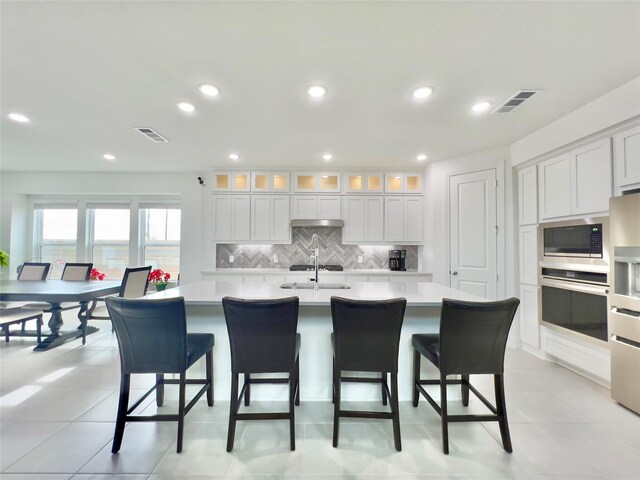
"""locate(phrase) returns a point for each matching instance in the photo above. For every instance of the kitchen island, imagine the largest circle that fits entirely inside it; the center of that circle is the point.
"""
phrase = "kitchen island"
(204, 312)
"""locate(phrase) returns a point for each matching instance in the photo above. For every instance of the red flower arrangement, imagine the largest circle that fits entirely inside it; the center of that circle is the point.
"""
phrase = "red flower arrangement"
(96, 275)
(158, 277)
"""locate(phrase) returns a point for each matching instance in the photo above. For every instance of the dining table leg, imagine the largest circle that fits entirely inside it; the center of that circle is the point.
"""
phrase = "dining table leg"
(57, 336)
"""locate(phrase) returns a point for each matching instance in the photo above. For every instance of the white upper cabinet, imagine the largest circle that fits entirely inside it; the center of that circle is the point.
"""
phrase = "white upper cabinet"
(363, 219)
(270, 218)
(316, 182)
(276, 182)
(528, 195)
(231, 217)
(627, 157)
(591, 178)
(231, 182)
(555, 187)
(403, 182)
(576, 183)
(315, 207)
(403, 219)
(358, 182)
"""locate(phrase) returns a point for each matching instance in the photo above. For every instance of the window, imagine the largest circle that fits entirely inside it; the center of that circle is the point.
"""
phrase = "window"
(55, 235)
(109, 226)
(160, 237)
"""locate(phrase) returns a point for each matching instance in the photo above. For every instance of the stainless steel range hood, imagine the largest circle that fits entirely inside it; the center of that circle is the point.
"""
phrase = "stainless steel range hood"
(306, 222)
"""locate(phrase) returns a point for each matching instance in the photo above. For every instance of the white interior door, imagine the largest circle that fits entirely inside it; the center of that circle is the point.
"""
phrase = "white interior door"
(472, 219)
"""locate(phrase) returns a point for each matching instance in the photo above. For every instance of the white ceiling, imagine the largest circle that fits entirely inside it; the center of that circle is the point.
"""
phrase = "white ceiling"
(87, 73)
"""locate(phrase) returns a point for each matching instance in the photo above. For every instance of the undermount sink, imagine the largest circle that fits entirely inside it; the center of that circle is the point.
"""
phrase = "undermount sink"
(309, 286)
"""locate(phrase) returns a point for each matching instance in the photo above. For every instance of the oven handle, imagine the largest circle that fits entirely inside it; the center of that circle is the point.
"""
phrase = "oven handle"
(575, 286)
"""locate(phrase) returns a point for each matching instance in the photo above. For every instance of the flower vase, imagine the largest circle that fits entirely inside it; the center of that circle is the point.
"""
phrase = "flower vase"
(160, 286)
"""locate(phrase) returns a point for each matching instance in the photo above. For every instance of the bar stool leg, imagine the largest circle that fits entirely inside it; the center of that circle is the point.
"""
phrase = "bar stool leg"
(292, 400)
(297, 400)
(159, 389)
(464, 389)
(336, 406)
(209, 372)
(383, 385)
(395, 410)
(121, 418)
(443, 414)
(498, 381)
(181, 402)
(233, 410)
(247, 390)
(416, 377)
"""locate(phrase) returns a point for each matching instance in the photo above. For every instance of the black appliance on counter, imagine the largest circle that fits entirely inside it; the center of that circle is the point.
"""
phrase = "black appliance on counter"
(398, 260)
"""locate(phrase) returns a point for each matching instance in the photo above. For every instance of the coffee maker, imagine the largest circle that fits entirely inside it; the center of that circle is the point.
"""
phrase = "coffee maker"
(397, 260)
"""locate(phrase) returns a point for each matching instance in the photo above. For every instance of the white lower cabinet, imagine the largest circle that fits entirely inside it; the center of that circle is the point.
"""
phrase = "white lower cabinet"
(363, 219)
(231, 217)
(270, 219)
(403, 219)
(529, 324)
(528, 255)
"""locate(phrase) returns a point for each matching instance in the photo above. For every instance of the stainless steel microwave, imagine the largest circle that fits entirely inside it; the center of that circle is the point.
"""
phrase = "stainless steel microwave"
(576, 241)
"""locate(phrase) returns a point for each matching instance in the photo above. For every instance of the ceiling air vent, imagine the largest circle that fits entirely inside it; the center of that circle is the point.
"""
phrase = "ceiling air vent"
(515, 101)
(152, 134)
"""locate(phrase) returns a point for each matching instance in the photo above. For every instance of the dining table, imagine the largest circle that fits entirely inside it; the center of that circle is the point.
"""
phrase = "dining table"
(56, 292)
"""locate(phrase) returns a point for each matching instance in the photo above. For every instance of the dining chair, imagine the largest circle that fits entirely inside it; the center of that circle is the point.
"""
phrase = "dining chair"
(134, 285)
(263, 340)
(11, 316)
(366, 338)
(472, 340)
(152, 338)
(30, 271)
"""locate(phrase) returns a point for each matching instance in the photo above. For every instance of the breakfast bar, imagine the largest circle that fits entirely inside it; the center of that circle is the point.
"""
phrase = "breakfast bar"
(204, 313)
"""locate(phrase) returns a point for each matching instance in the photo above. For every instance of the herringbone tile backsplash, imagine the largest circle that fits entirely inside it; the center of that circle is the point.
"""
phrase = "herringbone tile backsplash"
(331, 252)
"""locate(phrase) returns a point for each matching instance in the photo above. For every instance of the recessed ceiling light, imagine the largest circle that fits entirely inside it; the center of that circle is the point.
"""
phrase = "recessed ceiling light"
(108, 156)
(18, 117)
(317, 91)
(186, 107)
(209, 90)
(422, 92)
(234, 156)
(327, 156)
(481, 107)
(421, 157)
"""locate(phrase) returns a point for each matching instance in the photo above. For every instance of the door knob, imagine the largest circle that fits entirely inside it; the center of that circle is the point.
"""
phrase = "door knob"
(454, 273)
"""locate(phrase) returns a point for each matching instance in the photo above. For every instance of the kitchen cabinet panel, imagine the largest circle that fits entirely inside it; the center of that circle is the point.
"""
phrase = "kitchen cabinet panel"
(316, 182)
(528, 255)
(363, 219)
(360, 182)
(260, 217)
(329, 207)
(555, 187)
(627, 157)
(305, 207)
(393, 219)
(591, 178)
(413, 219)
(529, 323)
(276, 182)
(280, 219)
(528, 195)
(270, 218)
(231, 217)
(231, 182)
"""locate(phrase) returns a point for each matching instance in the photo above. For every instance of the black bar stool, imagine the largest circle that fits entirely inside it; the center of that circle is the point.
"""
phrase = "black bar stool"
(472, 340)
(152, 337)
(366, 338)
(263, 339)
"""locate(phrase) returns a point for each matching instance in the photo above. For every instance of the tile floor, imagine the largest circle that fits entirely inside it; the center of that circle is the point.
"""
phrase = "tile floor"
(57, 410)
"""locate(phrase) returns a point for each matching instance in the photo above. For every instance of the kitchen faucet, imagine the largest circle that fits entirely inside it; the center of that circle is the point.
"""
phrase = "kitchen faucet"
(315, 251)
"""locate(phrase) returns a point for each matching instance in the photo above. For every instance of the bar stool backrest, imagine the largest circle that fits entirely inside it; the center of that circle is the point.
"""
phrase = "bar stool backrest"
(473, 335)
(76, 272)
(367, 333)
(135, 282)
(262, 334)
(34, 271)
(152, 334)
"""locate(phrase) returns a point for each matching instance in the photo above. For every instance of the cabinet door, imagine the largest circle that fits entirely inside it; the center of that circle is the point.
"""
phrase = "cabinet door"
(240, 218)
(305, 207)
(354, 182)
(591, 178)
(221, 182)
(529, 324)
(374, 219)
(393, 219)
(280, 219)
(528, 255)
(555, 187)
(354, 219)
(260, 217)
(374, 182)
(627, 157)
(304, 182)
(280, 182)
(413, 219)
(328, 182)
(528, 195)
(240, 181)
(329, 207)
(221, 221)
(412, 182)
(260, 182)
(393, 182)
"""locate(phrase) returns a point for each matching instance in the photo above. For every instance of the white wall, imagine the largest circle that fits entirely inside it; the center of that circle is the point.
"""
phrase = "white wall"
(605, 112)
(14, 221)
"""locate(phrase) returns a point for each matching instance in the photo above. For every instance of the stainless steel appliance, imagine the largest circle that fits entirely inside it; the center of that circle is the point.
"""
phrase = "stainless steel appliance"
(624, 300)
(397, 260)
(582, 241)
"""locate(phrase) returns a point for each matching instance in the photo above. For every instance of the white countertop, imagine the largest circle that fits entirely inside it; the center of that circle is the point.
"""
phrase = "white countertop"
(286, 271)
(416, 293)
